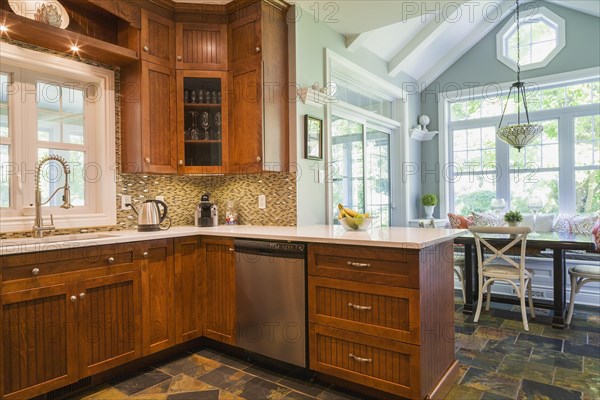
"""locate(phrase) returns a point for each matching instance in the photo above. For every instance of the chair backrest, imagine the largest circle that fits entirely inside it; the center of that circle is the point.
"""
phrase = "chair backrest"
(519, 236)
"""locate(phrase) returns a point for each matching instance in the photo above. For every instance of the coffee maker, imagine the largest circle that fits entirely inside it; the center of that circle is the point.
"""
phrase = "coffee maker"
(207, 213)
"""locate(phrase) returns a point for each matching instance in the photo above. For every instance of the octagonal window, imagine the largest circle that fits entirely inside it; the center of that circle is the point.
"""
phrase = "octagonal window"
(542, 38)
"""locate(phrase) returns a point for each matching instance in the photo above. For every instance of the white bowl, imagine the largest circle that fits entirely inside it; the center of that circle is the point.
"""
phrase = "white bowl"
(355, 224)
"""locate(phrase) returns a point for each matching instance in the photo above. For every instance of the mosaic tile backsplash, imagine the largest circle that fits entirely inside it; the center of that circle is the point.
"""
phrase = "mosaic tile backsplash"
(182, 193)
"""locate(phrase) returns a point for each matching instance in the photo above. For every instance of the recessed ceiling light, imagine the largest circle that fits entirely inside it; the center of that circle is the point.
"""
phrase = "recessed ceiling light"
(3, 28)
(74, 48)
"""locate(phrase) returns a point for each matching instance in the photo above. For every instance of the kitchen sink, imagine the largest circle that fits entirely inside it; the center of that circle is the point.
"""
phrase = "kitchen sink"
(57, 238)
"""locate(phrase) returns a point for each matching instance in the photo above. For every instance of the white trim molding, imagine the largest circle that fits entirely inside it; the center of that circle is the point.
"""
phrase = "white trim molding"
(102, 80)
(543, 15)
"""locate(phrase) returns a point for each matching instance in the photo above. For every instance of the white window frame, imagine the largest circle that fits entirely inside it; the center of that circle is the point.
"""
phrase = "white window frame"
(399, 137)
(100, 209)
(566, 175)
(550, 18)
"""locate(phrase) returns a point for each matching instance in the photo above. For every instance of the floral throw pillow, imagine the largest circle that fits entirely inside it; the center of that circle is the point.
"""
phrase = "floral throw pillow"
(562, 224)
(487, 219)
(583, 225)
(596, 234)
(460, 221)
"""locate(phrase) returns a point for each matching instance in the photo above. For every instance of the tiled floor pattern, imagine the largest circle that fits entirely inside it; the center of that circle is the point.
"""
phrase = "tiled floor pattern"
(498, 360)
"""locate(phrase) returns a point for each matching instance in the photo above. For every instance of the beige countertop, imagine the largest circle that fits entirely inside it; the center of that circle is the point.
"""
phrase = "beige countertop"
(407, 238)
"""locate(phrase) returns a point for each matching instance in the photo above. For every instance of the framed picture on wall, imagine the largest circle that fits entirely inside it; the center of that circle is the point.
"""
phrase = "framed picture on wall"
(313, 138)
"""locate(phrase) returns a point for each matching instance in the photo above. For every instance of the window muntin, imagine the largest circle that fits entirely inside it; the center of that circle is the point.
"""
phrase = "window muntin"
(5, 142)
(542, 38)
(360, 159)
(568, 149)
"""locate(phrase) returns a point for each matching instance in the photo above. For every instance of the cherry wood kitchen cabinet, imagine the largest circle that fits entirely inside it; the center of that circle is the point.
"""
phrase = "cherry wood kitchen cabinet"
(201, 46)
(258, 57)
(158, 287)
(219, 289)
(110, 304)
(188, 288)
(157, 39)
(202, 122)
(382, 318)
(38, 334)
(68, 314)
(149, 119)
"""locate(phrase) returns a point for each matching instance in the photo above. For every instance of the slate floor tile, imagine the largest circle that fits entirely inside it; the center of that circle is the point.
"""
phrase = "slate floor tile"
(303, 385)
(260, 389)
(203, 395)
(232, 361)
(470, 342)
(581, 381)
(225, 378)
(492, 396)
(591, 365)
(508, 346)
(297, 396)
(536, 390)
(478, 359)
(594, 338)
(488, 381)
(557, 359)
(587, 350)
(461, 392)
(142, 381)
(496, 333)
(332, 394)
(518, 367)
(540, 342)
(517, 325)
(194, 366)
(177, 384)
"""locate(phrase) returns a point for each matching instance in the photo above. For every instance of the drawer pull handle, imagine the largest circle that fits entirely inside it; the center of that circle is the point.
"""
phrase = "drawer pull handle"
(82, 295)
(146, 49)
(359, 265)
(35, 271)
(111, 260)
(360, 308)
(73, 299)
(360, 359)
(145, 254)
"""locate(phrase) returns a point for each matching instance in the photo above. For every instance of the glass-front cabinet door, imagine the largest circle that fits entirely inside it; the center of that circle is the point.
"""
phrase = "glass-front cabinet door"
(202, 122)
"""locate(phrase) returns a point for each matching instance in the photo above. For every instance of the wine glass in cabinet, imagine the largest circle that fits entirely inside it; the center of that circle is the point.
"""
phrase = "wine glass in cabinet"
(202, 122)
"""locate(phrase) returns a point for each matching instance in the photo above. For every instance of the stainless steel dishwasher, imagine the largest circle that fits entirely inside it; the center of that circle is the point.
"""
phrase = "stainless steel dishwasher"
(271, 299)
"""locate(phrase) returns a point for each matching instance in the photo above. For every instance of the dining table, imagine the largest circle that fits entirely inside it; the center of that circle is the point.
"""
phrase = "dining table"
(560, 244)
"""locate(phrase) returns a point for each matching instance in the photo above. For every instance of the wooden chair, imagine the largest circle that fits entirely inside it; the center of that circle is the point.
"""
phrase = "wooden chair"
(580, 275)
(459, 271)
(504, 269)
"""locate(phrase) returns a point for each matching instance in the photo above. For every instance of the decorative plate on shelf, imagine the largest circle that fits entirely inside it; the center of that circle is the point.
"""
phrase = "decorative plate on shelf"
(49, 12)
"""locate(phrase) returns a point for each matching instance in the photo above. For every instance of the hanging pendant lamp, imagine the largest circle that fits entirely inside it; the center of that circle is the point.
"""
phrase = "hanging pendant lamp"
(519, 135)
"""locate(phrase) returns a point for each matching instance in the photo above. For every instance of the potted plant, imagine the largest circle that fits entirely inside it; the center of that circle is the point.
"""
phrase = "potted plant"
(429, 201)
(513, 218)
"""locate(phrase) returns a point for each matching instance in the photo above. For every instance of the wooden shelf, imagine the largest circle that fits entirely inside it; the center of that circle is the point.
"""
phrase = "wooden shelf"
(201, 105)
(44, 35)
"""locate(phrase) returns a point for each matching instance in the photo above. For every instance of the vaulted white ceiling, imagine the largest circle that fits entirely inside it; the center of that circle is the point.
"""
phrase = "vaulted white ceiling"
(420, 38)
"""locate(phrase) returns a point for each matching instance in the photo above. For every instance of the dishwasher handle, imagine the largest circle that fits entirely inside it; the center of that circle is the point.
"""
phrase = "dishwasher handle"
(271, 248)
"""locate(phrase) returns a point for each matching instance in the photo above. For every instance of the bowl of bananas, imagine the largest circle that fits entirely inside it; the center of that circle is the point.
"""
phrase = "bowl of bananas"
(352, 220)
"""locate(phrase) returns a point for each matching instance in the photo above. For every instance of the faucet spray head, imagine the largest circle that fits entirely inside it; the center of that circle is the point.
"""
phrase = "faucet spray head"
(66, 198)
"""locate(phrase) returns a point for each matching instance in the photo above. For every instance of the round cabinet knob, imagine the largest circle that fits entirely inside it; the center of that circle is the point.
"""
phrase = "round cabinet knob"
(111, 260)
(180, 162)
(73, 298)
(257, 49)
(35, 271)
(231, 249)
(81, 295)
(179, 58)
(147, 159)
(146, 49)
(258, 158)
(145, 254)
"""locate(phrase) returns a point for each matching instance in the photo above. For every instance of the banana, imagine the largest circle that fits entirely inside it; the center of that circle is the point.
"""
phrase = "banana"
(349, 212)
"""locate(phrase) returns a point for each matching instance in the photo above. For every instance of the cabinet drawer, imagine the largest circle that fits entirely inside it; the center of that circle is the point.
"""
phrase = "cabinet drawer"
(37, 265)
(383, 364)
(395, 267)
(383, 311)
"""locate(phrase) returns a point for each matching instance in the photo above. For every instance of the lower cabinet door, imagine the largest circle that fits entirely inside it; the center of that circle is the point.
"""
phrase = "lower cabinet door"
(39, 340)
(219, 289)
(383, 364)
(188, 289)
(158, 295)
(109, 322)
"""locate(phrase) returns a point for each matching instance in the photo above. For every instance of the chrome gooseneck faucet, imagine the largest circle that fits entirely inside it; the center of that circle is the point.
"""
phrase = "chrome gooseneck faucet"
(38, 226)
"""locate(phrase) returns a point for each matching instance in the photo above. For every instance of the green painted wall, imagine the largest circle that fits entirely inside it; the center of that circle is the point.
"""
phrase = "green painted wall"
(479, 66)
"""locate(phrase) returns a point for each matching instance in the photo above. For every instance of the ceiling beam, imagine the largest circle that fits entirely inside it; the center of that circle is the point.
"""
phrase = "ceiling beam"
(353, 42)
(454, 54)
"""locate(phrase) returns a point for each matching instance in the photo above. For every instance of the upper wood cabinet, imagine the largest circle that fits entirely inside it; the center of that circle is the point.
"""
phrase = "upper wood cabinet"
(149, 119)
(201, 46)
(259, 115)
(157, 39)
